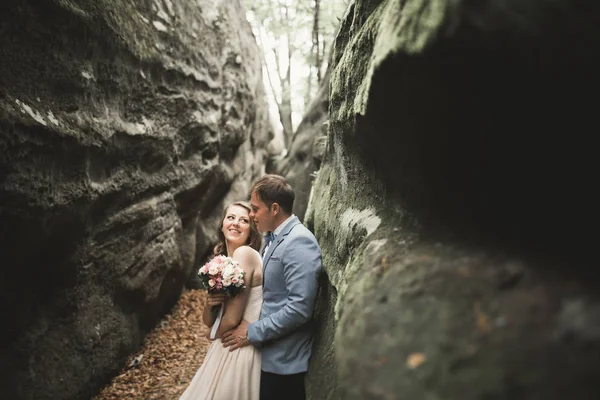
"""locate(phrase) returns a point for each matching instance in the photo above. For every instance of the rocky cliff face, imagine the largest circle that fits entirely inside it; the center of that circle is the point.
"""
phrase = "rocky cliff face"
(454, 203)
(306, 150)
(124, 126)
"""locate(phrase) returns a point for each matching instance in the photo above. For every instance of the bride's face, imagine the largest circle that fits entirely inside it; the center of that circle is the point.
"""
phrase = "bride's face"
(236, 225)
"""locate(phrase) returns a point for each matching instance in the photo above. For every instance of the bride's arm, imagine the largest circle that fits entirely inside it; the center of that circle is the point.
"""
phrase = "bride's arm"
(234, 307)
(211, 309)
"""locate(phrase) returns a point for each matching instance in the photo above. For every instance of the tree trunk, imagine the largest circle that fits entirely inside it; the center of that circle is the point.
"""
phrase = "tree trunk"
(324, 65)
(308, 96)
(316, 43)
(285, 108)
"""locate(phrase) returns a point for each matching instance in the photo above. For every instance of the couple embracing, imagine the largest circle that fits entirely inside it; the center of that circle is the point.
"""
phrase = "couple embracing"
(264, 338)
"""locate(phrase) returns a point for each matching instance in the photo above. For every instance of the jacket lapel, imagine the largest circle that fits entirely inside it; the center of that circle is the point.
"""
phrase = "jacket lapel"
(262, 247)
(280, 238)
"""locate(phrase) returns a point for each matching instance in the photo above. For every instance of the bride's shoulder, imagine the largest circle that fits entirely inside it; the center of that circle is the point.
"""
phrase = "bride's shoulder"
(246, 252)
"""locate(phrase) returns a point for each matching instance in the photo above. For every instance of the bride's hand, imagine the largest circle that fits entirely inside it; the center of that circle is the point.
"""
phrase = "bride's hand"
(214, 299)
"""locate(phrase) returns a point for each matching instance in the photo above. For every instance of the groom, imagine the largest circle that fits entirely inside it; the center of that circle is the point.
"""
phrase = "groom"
(291, 268)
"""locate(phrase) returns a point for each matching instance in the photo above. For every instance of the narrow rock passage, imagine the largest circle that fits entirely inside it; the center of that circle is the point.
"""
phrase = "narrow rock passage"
(169, 358)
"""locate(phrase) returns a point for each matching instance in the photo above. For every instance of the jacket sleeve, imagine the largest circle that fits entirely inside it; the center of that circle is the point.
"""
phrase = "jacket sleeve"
(301, 269)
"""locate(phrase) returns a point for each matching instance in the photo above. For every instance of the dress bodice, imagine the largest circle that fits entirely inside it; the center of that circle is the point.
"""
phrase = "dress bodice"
(254, 304)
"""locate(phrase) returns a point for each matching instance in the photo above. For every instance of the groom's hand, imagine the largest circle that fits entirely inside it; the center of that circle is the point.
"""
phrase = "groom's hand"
(237, 337)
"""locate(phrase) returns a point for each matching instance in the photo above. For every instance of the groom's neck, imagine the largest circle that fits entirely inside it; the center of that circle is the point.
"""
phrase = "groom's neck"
(281, 217)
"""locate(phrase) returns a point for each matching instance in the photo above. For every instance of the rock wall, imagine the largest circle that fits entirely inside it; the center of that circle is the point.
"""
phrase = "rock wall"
(455, 204)
(124, 127)
(306, 150)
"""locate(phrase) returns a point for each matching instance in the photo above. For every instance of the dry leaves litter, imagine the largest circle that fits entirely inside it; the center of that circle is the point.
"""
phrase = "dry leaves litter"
(415, 360)
(169, 358)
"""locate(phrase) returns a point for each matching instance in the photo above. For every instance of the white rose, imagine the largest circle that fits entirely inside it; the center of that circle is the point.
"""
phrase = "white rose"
(228, 270)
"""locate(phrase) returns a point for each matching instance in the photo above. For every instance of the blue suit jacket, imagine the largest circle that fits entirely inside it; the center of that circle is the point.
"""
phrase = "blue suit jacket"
(291, 270)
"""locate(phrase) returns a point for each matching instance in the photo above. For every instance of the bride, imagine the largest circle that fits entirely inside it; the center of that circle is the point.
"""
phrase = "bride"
(234, 375)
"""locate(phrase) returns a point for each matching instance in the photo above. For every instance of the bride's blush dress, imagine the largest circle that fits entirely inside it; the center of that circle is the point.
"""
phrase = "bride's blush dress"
(230, 375)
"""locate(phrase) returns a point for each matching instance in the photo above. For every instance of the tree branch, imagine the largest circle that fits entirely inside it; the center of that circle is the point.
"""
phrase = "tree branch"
(264, 62)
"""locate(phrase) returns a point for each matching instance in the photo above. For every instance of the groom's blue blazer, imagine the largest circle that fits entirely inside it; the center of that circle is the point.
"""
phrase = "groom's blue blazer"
(291, 269)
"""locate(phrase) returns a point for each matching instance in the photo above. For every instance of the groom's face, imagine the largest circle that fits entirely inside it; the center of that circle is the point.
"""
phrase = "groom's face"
(261, 214)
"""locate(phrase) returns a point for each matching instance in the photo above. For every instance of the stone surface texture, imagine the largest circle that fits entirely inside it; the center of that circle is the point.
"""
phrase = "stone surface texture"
(303, 158)
(124, 129)
(455, 203)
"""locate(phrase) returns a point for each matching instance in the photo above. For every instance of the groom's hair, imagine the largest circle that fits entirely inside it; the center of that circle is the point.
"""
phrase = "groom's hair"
(275, 189)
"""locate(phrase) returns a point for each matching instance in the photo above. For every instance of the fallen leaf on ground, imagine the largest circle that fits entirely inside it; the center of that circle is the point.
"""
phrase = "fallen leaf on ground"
(415, 360)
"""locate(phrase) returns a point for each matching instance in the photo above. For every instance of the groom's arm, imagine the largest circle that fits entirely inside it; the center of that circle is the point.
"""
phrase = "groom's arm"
(301, 269)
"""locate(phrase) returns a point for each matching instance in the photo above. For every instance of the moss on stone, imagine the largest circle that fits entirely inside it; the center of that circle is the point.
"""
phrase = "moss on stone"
(412, 85)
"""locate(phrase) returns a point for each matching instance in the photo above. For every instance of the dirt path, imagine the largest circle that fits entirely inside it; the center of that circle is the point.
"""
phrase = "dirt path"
(169, 358)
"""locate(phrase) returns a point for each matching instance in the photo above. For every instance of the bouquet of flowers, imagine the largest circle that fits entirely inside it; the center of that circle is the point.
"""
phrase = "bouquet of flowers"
(222, 275)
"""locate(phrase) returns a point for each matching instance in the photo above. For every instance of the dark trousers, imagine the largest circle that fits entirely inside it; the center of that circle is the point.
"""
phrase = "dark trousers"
(278, 387)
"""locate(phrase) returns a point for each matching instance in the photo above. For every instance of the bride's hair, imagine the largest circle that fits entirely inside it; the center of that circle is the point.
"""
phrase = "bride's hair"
(254, 238)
